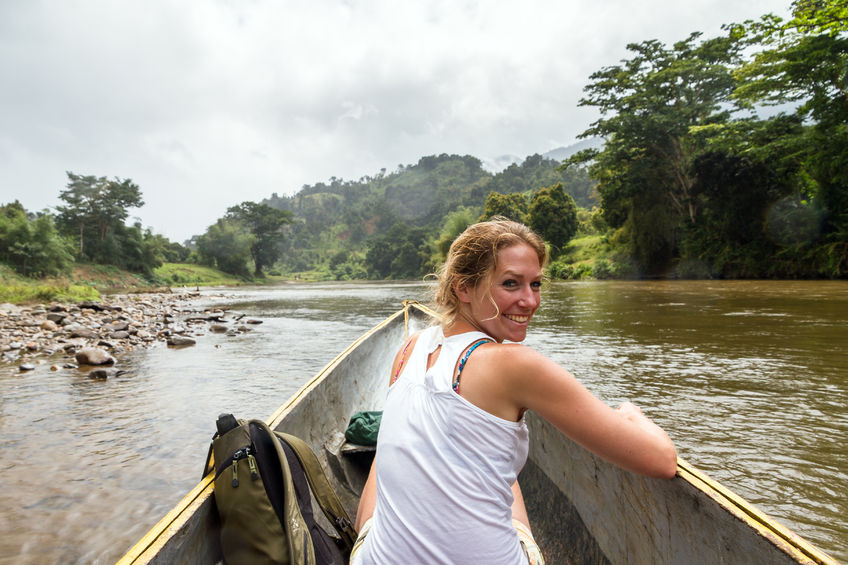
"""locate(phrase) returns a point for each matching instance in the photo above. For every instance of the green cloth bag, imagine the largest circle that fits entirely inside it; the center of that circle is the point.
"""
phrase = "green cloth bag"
(363, 427)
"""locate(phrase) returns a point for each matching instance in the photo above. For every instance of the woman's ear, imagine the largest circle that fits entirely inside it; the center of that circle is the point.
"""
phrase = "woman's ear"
(462, 292)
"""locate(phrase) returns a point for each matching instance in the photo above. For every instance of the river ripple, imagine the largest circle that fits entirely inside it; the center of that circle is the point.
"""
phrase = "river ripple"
(749, 378)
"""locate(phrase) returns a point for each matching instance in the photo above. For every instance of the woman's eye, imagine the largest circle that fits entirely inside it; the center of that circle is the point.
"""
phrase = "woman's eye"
(510, 283)
(536, 285)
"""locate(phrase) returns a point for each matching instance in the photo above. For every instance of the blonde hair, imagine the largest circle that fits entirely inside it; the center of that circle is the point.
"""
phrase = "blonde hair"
(473, 257)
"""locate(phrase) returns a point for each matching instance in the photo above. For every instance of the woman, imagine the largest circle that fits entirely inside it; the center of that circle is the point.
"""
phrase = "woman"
(453, 438)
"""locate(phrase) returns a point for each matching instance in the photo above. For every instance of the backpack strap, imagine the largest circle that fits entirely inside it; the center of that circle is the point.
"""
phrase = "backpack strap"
(283, 494)
(324, 493)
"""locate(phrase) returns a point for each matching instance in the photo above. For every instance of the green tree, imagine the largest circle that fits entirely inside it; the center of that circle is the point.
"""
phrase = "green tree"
(649, 105)
(265, 224)
(803, 62)
(399, 254)
(513, 206)
(96, 207)
(227, 246)
(553, 215)
(454, 224)
(142, 250)
(33, 247)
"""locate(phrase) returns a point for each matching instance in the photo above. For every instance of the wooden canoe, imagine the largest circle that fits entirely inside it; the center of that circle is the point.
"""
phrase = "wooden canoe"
(582, 509)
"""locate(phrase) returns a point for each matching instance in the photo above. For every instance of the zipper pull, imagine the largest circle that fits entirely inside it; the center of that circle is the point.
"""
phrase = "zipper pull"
(235, 473)
(251, 461)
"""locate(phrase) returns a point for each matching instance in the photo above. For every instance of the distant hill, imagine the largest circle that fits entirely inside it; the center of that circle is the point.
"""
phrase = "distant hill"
(341, 216)
(562, 153)
(559, 154)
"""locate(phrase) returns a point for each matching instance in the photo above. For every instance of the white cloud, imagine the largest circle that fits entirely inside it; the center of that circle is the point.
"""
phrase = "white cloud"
(207, 104)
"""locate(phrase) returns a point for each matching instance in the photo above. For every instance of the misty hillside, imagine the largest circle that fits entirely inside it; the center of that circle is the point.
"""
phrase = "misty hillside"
(338, 216)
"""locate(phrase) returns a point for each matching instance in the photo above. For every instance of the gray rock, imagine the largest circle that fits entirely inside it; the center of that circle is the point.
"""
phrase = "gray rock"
(84, 332)
(218, 328)
(26, 367)
(56, 317)
(93, 356)
(253, 321)
(116, 326)
(105, 373)
(180, 341)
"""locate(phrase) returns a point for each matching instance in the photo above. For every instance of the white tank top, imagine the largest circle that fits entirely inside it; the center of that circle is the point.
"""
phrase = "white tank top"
(444, 469)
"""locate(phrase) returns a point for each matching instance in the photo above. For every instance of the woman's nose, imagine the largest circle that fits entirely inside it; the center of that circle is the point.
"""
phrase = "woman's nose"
(529, 297)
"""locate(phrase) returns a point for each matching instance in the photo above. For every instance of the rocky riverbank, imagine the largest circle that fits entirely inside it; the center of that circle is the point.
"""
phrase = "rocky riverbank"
(92, 335)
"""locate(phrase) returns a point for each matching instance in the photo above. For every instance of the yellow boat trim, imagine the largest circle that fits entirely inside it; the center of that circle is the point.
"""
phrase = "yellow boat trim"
(170, 524)
(801, 550)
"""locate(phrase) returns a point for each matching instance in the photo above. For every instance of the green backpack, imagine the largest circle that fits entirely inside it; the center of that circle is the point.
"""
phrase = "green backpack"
(262, 493)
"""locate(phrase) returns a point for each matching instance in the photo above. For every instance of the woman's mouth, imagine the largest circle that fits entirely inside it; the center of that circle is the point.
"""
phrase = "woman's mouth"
(517, 319)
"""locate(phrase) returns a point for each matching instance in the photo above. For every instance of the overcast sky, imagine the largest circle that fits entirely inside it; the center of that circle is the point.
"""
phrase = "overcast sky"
(205, 104)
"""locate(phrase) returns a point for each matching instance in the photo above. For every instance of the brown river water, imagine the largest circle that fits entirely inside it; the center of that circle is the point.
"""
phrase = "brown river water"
(749, 378)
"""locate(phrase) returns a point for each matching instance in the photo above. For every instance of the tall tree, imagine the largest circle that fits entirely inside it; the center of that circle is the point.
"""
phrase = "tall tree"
(227, 246)
(265, 224)
(803, 62)
(649, 105)
(96, 207)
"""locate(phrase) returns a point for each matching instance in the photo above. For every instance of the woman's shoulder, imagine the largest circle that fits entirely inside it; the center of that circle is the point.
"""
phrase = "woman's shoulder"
(511, 358)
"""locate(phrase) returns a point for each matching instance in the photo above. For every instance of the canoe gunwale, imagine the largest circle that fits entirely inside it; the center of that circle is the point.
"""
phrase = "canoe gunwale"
(799, 548)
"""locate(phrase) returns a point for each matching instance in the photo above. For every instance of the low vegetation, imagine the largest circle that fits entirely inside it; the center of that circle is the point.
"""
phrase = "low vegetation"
(187, 274)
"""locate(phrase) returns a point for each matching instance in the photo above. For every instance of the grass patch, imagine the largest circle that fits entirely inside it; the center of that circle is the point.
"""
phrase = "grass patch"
(592, 257)
(106, 277)
(178, 274)
(84, 282)
(36, 293)
(580, 258)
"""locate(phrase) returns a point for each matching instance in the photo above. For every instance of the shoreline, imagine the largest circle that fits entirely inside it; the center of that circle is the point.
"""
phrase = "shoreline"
(90, 335)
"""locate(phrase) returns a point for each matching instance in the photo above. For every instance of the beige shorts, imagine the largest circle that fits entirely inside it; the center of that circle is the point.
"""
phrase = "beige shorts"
(528, 544)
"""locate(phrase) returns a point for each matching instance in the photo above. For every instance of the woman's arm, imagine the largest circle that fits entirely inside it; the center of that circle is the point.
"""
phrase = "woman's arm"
(368, 499)
(625, 437)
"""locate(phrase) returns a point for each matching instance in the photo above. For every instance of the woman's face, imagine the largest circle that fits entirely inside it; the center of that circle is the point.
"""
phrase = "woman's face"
(503, 310)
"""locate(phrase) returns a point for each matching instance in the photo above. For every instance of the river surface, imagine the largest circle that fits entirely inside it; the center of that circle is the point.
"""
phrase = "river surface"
(749, 378)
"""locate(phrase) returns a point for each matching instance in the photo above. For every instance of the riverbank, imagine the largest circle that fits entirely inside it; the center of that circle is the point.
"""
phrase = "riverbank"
(92, 335)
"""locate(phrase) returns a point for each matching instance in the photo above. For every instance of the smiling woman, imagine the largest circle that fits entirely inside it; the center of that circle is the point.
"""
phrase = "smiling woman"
(505, 308)
(463, 448)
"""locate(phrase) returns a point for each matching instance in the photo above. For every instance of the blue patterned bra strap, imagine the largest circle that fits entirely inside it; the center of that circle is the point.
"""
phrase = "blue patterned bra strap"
(464, 359)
